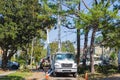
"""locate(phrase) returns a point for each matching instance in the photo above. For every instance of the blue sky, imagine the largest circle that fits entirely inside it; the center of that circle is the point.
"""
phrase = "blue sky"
(67, 34)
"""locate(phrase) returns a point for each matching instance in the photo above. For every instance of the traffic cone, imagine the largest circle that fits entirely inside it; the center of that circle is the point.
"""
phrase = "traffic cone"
(86, 76)
(46, 76)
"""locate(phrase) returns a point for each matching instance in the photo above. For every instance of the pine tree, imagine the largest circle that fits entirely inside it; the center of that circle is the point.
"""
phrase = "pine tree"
(21, 21)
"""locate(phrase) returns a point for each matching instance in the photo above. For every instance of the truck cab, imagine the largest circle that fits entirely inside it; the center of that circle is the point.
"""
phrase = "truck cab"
(65, 63)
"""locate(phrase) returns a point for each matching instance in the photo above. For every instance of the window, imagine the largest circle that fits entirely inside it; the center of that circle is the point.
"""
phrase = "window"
(65, 56)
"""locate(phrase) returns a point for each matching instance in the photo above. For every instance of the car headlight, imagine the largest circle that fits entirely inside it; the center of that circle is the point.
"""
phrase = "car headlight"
(57, 65)
(75, 66)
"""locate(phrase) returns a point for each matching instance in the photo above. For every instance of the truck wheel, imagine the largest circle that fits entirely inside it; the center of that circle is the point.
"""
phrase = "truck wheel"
(75, 75)
(54, 74)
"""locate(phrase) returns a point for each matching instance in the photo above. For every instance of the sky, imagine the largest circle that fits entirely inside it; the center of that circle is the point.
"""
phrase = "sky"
(68, 34)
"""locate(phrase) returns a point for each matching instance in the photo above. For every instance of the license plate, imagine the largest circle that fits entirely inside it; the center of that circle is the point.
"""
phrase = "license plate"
(66, 70)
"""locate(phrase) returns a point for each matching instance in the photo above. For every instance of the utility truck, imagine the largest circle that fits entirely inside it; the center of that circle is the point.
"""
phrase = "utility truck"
(63, 63)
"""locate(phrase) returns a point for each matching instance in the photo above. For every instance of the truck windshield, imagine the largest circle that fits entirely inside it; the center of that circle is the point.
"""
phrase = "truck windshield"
(65, 56)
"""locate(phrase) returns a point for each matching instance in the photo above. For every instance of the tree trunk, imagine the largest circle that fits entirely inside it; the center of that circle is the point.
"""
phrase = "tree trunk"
(4, 60)
(92, 50)
(13, 51)
(85, 50)
(78, 42)
(78, 46)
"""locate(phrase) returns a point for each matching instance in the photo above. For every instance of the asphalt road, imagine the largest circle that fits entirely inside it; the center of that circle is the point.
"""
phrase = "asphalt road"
(64, 77)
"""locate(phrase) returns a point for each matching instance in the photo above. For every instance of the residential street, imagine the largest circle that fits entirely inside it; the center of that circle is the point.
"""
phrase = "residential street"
(64, 77)
(59, 39)
(40, 75)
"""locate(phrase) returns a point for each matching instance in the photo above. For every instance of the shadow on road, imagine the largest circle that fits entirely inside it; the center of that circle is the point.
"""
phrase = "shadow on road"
(64, 77)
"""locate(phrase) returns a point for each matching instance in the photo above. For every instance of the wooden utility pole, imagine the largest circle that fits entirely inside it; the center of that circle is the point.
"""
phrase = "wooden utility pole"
(78, 46)
(59, 24)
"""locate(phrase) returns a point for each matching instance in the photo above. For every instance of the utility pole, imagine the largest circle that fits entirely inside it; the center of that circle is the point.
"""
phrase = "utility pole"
(48, 36)
(78, 46)
(48, 47)
(31, 52)
(59, 29)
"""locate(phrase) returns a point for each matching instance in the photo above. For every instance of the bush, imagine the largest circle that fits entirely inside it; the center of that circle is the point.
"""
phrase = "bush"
(82, 69)
(107, 69)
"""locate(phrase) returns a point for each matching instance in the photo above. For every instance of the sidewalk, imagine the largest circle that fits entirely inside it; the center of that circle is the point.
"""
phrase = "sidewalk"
(6, 73)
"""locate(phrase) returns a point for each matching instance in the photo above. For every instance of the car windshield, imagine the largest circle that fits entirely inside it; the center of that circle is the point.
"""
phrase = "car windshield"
(65, 56)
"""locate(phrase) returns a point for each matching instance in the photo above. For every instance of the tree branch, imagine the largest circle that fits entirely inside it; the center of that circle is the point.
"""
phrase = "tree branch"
(107, 3)
(96, 2)
(69, 27)
(85, 5)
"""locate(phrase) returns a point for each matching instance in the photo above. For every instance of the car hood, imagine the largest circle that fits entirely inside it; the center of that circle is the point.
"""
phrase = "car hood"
(15, 63)
(65, 61)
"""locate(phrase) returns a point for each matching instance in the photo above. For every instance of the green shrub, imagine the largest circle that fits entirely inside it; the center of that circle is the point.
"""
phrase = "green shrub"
(106, 69)
(83, 69)
(112, 71)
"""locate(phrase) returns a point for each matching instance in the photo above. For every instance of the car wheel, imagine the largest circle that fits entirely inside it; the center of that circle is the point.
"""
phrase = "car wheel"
(14, 67)
(54, 74)
(75, 75)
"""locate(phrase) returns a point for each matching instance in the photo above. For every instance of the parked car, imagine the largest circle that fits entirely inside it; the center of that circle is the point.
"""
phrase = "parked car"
(97, 61)
(11, 64)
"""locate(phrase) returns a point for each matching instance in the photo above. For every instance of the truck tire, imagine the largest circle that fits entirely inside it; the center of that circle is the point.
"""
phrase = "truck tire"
(54, 74)
(75, 75)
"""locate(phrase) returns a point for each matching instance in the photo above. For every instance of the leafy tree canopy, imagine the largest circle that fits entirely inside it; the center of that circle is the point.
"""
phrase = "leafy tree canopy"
(20, 22)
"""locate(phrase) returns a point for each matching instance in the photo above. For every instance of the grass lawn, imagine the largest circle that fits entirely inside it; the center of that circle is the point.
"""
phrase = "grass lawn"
(18, 75)
(101, 76)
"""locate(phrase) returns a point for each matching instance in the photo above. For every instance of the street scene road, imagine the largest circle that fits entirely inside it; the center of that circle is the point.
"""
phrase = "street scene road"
(64, 77)
(40, 75)
(62, 38)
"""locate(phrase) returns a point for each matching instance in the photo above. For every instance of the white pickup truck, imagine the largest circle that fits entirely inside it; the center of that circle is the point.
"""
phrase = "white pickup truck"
(64, 63)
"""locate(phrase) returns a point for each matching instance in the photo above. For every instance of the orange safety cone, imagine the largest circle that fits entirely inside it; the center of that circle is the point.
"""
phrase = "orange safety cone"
(86, 76)
(46, 76)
